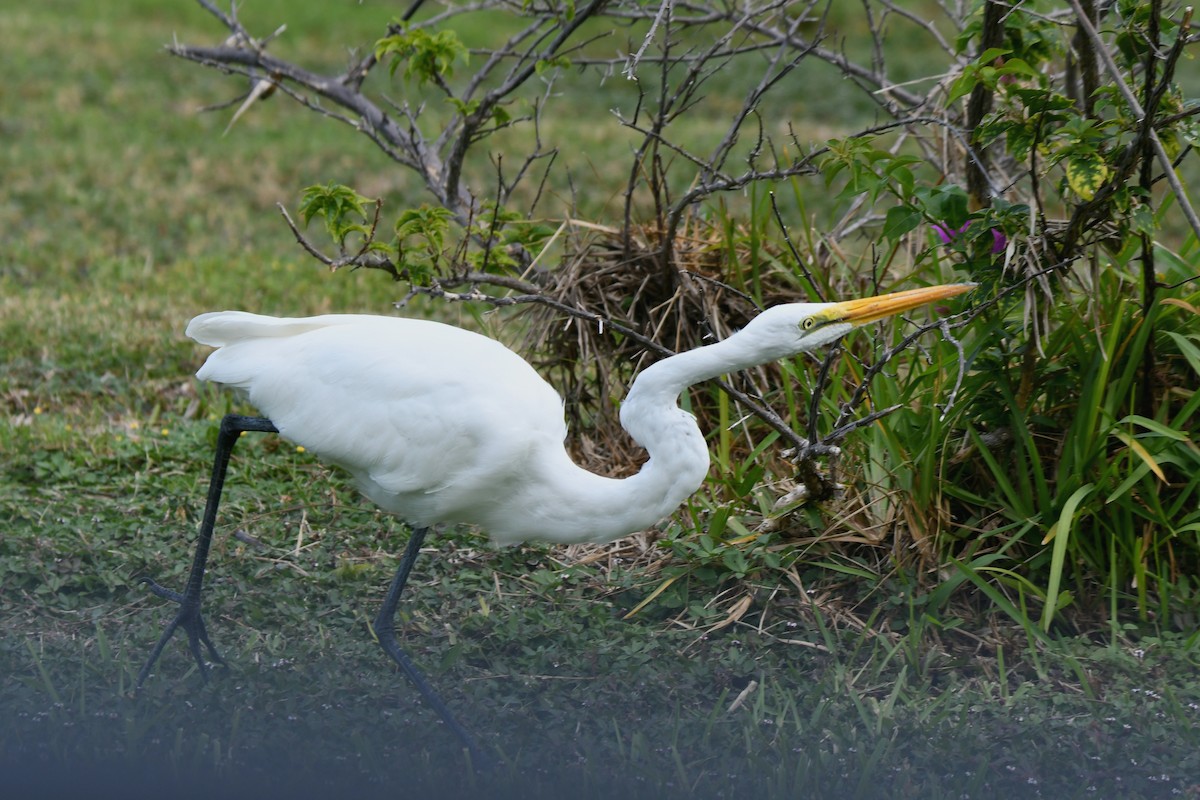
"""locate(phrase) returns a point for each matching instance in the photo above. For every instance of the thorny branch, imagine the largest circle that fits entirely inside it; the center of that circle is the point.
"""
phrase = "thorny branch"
(407, 145)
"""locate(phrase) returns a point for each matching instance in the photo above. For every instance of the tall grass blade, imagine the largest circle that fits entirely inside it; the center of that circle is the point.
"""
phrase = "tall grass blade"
(1001, 602)
(47, 682)
(1060, 533)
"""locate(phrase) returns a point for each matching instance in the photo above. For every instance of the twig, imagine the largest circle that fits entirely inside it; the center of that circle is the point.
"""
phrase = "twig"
(800, 262)
(1160, 152)
(365, 257)
(631, 64)
(944, 326)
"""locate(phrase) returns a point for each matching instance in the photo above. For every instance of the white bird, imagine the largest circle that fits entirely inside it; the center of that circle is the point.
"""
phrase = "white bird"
(440, 425)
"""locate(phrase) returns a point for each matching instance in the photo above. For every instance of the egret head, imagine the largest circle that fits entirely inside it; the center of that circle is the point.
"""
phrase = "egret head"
(793, 328)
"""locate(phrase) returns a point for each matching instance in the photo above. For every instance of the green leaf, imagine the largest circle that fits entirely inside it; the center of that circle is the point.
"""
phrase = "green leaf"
(1139, 450)
(982, 69)
(735, 561)
(1019, 139)
(430, 222)
(862, 179)
(1018, 66)
(1154, 426)
(343, 209)
(992, 128)
(1060, 534)
(947, 204)
(1141, 219)
(427, 55)
(898, 170)
(463, 108)
(991, 54)
(544, 65)
(999, 599)
(900, 220)
(332, 198)
(962, 87)
(1189, 349)
(1086, 173)
(1135, 475)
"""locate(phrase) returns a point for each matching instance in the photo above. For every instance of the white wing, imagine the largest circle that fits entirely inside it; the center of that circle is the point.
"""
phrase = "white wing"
(430, 419)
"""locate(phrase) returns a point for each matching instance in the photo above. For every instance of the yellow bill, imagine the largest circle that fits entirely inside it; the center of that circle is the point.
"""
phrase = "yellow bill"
(870, 309)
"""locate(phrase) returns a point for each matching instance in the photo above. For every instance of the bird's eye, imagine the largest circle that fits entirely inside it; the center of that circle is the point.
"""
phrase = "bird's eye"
(808, 324)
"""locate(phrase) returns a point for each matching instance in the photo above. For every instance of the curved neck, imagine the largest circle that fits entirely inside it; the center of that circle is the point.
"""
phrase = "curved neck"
(658, 387)
(590, 507)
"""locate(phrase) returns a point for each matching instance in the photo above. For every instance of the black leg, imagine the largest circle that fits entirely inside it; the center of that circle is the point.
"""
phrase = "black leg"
(188, 617)
(385, 634)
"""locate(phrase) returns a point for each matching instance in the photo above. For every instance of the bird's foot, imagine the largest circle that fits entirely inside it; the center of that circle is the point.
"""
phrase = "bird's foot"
(191, 621)
(385, 634)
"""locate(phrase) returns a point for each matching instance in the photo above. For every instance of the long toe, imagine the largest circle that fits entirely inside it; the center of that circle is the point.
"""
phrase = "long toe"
(160, 590)
(212, 650)
(191, 621)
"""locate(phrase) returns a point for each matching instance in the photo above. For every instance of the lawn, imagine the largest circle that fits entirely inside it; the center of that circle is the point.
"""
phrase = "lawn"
(123, 213)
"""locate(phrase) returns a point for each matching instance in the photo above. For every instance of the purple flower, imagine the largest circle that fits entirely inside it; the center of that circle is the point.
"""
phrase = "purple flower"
(946, 234)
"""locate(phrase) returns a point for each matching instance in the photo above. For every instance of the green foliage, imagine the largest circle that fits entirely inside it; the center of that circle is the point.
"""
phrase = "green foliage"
(1073, 443)
(874, 172)
(1032, 37)
(1107, 490)
(1084, 164)
(545, 65)
(343, 210)
(504, 233)
(419, 243)
(428, 241)
(868, 170)
(992, 69)
(429, 225)
(426, 56)
(1034, 114)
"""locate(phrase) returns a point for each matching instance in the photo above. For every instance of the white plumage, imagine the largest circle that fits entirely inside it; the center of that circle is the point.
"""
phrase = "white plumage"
(440, 425)
(433, 422)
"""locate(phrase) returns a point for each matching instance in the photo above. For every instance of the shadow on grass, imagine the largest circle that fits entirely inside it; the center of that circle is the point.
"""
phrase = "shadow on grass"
(305, 724)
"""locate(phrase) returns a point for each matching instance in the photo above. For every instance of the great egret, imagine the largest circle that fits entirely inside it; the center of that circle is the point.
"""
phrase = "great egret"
(440, 425)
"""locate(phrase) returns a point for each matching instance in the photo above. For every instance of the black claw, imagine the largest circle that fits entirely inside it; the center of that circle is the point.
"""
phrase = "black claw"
(188, 617)
(190, 620)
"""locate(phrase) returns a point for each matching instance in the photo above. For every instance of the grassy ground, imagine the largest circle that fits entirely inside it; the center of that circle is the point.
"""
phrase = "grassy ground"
(122, 214)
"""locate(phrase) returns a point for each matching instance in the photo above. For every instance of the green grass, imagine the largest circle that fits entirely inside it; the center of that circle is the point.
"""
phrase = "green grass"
(124, 214)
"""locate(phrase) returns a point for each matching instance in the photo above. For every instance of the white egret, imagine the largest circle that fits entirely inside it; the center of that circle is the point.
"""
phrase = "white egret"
(440, 425)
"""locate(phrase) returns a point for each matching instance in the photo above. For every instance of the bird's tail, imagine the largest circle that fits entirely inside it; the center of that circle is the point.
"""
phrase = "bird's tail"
(222, 328)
